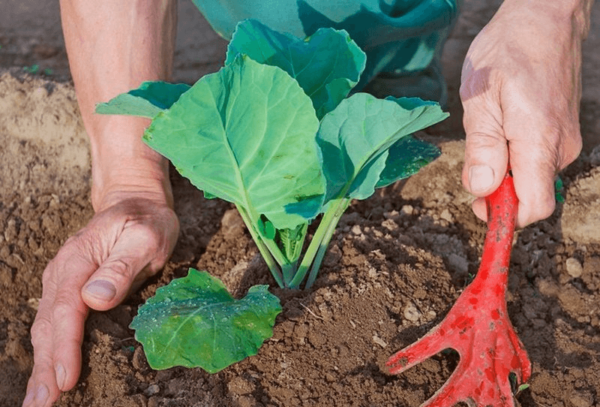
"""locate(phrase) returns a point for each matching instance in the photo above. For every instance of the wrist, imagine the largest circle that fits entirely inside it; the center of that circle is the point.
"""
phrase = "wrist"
(125, 170)
(141, 179)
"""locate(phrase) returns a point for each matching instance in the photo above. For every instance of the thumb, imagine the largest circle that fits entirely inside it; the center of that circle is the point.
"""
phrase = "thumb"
(132, 255)
(486, 149)
(486, 161)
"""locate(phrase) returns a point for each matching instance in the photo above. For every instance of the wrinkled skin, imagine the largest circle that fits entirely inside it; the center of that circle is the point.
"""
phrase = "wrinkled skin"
(521, 84)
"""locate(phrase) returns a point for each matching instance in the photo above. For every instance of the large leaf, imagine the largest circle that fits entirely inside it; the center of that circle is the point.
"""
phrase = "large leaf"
(356, 136)
(195, 322)
(327, 64)
(148, 100)
(405, 158)
(247, 135)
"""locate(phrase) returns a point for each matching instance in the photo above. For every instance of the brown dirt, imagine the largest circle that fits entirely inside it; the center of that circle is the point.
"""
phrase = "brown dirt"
(396, 265)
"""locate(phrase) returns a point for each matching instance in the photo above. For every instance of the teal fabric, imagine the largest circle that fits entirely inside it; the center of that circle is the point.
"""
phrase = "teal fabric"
(400, 37)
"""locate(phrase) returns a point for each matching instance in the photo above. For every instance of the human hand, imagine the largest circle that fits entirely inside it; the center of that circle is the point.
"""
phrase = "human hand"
(521, 84)
(122, 245)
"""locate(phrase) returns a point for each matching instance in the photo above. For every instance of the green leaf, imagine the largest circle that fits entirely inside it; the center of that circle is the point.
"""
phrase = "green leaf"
(406, 157)
(208, 195)
(356, 136)
(148, 100)
(327, 64)
(292, 241)
(266, 228)
(195, 322)
(247, 135)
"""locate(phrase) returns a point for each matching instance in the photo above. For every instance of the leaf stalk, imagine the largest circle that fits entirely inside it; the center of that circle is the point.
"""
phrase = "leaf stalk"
(262, 248)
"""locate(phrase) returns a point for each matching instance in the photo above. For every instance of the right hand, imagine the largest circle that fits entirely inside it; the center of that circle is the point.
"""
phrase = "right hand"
(521, 87)
(122, 245)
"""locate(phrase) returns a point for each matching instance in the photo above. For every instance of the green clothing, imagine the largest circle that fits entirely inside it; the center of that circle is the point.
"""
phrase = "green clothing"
(402, 38)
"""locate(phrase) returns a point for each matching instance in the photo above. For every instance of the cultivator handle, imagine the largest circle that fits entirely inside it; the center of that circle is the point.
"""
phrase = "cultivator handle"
(477, 326)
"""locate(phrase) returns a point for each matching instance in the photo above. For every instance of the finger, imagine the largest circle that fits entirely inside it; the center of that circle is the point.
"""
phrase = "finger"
(534, 143)
(134, 253)
(486, 152)
(42, 388)
(69, 313)
(480, 209)
(534, 184)
(486, 161)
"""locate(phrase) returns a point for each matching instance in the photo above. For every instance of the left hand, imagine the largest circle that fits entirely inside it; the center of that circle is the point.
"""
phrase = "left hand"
(521, 86)
(123, 245)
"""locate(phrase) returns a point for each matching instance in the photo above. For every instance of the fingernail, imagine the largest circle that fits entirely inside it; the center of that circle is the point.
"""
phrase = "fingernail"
(101, 289)
(28, 398)
(41, 395)
(60, 376)
(481, 177)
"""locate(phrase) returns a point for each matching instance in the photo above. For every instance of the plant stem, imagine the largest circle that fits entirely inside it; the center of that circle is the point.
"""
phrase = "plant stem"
(288, 272)
(331, 216)
(262, 248)
(275, 252)
(316, 265)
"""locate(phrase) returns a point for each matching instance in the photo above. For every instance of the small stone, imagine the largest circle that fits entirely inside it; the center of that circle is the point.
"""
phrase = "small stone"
(390, 225)
(411, 313)
(152, 390)
(34, 303)
(356, 230)
(139, 360)
(391, 215)
(446, 215)
(547, 287)
(574, 267)
(379, 341)
(407, 210)
(431, 315)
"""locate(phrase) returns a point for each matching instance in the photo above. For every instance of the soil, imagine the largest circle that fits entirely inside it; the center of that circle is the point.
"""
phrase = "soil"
(396, 264)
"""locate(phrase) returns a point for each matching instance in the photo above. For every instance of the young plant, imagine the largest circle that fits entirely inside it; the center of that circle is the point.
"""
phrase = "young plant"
(273, 133)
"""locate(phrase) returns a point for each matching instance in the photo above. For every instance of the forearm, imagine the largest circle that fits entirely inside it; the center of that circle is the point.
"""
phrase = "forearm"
(577, 12)
(113, 46)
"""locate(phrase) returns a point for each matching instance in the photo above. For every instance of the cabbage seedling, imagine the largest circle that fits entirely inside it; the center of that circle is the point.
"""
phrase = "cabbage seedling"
(274, 133)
